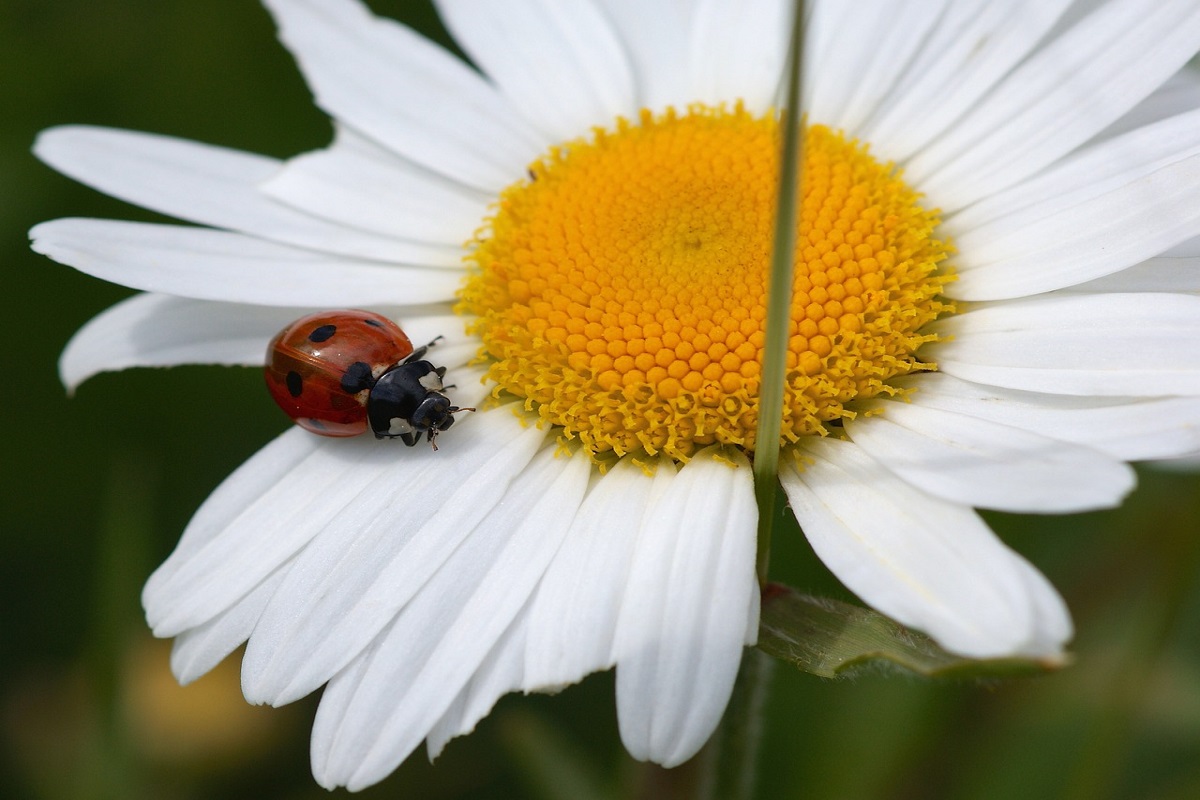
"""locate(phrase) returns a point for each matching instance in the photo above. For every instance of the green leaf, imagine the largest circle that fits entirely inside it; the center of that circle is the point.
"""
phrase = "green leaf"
(827, 637)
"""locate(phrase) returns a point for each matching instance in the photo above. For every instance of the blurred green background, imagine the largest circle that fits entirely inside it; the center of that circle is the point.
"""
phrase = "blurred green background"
(97, 488)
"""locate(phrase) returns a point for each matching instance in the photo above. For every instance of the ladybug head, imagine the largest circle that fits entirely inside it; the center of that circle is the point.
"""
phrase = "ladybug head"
(434, 415)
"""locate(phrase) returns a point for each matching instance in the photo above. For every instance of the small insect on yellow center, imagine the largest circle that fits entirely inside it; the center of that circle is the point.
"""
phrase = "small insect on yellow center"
(621, 289)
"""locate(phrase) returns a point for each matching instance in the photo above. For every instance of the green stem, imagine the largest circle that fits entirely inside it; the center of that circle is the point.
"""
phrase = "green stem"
(779, 298)
(729, 762)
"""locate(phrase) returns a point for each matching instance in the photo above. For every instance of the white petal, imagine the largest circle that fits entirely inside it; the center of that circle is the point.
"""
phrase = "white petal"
(652, 32)
(987, 464)
(1177, 96)
(405, 92)
(573, 618)
(267, 511)
(738, 51)
(1189, 249)
(467, 386)
(444, 635)
(156, 330)
(334, 705)
(1166, 274)
(211, 186)
(859, 68)
(208, 264)
(1063, 242)
(1137, 345)
(409, 513)
(928, 563)
(972, 47)
(359, 184)
(257, 507)
(1058, 99)
(683, 621)
(560, 64)
(1086, 174)
(502, 671)
(1131, 429)
(197, 650)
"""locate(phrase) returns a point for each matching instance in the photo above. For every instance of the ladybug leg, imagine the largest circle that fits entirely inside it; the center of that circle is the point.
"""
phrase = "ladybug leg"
(433, 432)
(441, 373)
(411, 439)
(419, 353)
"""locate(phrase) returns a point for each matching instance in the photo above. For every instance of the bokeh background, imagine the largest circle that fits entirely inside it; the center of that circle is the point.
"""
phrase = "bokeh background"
(96, 489)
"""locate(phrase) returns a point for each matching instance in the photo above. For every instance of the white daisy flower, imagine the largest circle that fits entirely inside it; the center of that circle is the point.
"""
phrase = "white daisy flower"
(604, 186)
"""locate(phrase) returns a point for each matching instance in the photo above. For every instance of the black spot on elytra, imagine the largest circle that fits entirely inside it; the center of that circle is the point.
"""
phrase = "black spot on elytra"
(322, 333)
(357, 377)
(295, 383)
(374, 323)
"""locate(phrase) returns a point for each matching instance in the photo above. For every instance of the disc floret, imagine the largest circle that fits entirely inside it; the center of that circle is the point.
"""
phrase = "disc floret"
(620, 290)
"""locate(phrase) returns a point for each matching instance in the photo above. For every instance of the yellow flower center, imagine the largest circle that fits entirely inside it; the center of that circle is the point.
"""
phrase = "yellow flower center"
(621, 290)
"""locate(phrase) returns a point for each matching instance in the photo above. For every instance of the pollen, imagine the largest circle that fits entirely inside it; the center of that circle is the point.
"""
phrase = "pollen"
(621, 289)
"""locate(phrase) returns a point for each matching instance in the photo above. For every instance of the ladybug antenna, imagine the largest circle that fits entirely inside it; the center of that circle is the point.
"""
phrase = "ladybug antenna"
(433, 432)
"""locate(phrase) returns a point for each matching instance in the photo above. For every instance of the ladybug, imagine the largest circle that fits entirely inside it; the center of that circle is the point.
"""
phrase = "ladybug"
(336, 373)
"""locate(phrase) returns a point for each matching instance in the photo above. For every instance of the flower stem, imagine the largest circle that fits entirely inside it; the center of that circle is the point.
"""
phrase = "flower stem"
(779, 298)
(729, 762)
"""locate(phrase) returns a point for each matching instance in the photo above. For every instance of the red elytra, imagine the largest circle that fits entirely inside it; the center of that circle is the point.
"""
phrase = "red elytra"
(320, 368)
